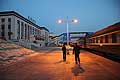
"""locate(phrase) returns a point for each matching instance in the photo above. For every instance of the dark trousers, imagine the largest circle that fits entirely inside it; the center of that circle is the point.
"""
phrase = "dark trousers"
(64, 56)
(77, 58)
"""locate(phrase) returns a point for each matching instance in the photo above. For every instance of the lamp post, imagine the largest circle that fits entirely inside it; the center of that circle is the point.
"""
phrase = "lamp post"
(67, 32)
(67, 24)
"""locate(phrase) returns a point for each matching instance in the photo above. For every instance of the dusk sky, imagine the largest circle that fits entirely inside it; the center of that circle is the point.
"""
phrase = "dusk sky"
(93, 15)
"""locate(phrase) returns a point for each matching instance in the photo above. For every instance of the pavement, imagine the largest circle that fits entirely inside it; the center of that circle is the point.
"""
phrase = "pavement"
(48, 65)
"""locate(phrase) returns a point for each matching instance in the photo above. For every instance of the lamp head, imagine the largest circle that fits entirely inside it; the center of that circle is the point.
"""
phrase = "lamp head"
(75, 20)
(60, 21)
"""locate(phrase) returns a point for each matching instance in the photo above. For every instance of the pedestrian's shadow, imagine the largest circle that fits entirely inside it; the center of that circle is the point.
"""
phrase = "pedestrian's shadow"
(77, 69)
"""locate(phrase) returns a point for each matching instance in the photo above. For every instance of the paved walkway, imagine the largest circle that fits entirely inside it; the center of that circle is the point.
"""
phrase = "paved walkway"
(49, 66)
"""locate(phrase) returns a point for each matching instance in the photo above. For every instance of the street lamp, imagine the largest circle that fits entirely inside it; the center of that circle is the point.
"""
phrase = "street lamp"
(75, 21)
(67, 24)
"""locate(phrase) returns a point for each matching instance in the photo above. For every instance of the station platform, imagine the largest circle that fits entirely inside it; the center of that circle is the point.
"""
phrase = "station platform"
(48, 65)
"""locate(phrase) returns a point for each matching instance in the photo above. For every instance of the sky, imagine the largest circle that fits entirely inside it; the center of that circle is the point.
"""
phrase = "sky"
(93, 15)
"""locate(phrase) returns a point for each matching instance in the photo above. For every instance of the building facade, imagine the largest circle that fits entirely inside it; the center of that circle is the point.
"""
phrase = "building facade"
(19, 29)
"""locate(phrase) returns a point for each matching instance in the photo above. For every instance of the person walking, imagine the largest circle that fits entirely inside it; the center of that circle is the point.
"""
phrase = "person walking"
(64, 52)
(76, 51)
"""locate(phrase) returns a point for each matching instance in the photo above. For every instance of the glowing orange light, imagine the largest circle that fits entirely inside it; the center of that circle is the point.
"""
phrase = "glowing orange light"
(101, 44)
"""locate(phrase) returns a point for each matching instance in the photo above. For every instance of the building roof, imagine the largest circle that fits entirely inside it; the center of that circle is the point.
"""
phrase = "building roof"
(8, 13)
(44, 28)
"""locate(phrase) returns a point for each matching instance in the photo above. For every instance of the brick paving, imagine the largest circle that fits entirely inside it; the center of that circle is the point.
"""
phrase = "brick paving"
(49, 66)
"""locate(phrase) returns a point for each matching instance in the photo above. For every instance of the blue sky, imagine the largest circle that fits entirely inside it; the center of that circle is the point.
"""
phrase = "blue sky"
(93, 15)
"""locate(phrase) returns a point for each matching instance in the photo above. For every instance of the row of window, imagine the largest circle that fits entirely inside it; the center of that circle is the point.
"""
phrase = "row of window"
(3, 26)
(26, 30)
(31, 29)
(105, 39)
(3, 20)
(3, 35)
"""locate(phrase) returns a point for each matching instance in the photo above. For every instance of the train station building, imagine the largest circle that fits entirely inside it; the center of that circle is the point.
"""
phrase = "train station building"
(15, 27)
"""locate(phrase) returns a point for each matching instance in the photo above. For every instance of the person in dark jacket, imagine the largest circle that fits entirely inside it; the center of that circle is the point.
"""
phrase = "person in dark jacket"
(76, 51)
(64, 52)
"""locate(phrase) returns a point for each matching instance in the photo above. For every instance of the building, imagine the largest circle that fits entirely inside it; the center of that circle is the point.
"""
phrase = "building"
(15, 27)
(52, 39)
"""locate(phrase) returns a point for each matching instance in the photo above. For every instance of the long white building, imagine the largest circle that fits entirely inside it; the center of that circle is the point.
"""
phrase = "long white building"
(17, 28)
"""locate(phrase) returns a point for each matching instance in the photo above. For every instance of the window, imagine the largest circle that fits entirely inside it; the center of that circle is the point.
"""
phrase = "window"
(30, 29)
(96, 40)
(22, 30)
(106, 39)
(3, 27)
(101, 39)
(3, 30)
(9, 19)
(9, 26)
(9, 35)
(90, 40)
(33, 31)
(18, 30)
(28, 32)
(3, 20)
(25, 31)
(114, 38)
(2, 34)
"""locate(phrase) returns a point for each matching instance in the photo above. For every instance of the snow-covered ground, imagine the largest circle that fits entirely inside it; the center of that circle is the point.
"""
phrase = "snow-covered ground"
(10, 52)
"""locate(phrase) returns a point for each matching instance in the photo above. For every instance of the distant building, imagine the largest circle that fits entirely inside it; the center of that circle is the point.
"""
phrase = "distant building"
(15, 27)
(52, 39)
(51, 35)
